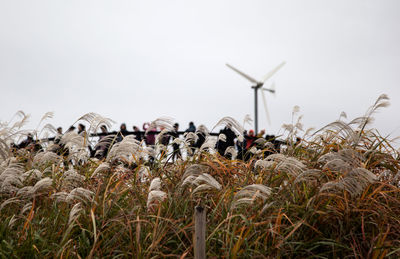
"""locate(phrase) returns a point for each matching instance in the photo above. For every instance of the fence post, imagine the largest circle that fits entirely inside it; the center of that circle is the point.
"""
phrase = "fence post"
(199, 233)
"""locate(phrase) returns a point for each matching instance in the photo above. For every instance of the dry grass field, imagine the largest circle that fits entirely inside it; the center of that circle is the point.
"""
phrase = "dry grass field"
(334, 195)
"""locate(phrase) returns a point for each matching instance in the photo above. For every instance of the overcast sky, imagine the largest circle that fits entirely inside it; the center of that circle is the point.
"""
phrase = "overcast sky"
(134, 61)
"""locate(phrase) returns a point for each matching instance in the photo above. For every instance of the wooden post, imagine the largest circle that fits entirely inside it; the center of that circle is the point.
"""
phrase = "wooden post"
(199, 233)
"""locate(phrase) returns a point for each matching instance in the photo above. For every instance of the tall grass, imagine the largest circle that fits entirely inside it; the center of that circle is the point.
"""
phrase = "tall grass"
(334, 195)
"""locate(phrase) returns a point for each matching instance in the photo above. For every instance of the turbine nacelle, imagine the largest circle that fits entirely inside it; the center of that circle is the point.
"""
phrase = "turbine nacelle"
(259, 85)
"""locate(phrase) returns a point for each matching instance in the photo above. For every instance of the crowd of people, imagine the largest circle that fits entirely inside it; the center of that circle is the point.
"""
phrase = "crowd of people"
(226, 138)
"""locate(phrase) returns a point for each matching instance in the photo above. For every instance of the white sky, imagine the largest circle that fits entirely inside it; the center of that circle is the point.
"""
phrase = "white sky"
(134, 61)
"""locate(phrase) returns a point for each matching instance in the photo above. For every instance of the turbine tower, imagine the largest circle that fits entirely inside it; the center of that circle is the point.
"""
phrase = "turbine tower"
(259, 85)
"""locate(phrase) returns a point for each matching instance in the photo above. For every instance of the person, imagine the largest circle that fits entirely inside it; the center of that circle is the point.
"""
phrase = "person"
(175, 146)
(276, 142)
(250, 138)
(82, 130)
(70, 129)
(201, 132)
(101, 148)
(222, 145)
(104, 131)
(30, 144)
(201, 136)
(28, 141)
(138, 134)
(261, 133)
(62, 150)
(58, 135)
(191, 128)
(164, 140)
(122, 132)
(150, 137)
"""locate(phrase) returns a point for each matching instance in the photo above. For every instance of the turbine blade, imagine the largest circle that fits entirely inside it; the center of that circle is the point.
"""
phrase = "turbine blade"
(273, 71)
(243, 74)
(265, 107)
(271, 89)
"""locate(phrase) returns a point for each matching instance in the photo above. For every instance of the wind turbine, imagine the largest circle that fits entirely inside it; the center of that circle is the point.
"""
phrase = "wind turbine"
(258, 85)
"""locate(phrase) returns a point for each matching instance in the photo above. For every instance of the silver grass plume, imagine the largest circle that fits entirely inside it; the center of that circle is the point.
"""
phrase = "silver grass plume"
(73, 140)
(45, 157)
(125, 149)
(155, 193)
(209, 143)
(24, 119)
(42, 186)
(47, 115)
(353, 183)
(265, 164)
(104, 142)
(74, 213)
(337, 165)
(190, 137)
(32, 174)
(101, 169)
(231, 151)
(25, 192)
(195, 170)
(249, 194)
(177, 141)
(296, 109)
(155, 184)
(291, 166)
(12, 221)
(12, 200)
(73, 179)
(11, 178)
(95, 121)
(342, 161)
(253, 150)
(80, 194)
(276, 158)
(342, 130)
(60, 197)
(202, 129)
(260, 142)
(308, 132)
(162, 122)
(27, 207)
(381, 102)
(201, 181)
(309, 176)
(232, 124)
(342, 115)
(281, 163)
(155, 196)
(288, 127)
(46, 129)
(144, 173)
(4, 150)
(222, 137)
